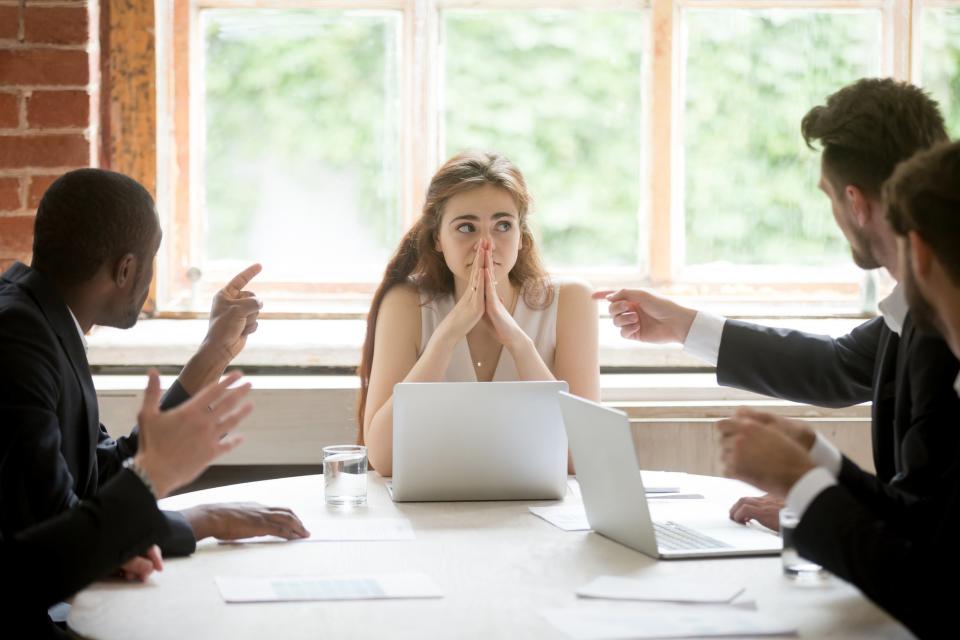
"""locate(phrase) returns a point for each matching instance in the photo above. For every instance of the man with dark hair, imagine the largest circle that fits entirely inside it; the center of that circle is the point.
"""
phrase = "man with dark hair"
(865, 129)
(872, 546)
(96, 236)
(67, 244)
(923, 206)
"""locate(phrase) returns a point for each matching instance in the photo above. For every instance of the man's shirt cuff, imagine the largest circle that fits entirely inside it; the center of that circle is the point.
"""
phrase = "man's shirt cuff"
(826, 455)
(807, 488)
(703, 339)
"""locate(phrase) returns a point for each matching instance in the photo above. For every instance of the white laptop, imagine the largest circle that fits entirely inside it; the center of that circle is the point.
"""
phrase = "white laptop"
(605, 459)
(478, 441)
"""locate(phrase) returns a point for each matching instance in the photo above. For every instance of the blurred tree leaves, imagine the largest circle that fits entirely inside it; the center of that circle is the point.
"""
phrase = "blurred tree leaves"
(297, 92)
(940, 61)
(558, 92)
(751, 183)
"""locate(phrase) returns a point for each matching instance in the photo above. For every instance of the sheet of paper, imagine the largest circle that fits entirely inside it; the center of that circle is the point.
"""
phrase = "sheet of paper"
(572, 517)
(655, 481)
(300, 588)
(566, 517)
(658, 590)
(346, 529)
(663, 486)
(686, 621)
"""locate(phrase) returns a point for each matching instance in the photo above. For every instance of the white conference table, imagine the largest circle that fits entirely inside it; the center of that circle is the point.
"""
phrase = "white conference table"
(497, 565)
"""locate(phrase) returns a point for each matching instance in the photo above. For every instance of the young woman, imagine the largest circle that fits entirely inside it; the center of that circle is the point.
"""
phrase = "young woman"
(465, 298)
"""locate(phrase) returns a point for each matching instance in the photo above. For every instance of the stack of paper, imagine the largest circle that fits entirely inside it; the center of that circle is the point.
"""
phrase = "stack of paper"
(572, 517)
(566, 517)
(658, 590)
(664, 482)
(302, 588)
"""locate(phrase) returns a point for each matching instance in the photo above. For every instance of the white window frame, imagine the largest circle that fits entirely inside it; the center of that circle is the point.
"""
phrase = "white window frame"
(421, 65)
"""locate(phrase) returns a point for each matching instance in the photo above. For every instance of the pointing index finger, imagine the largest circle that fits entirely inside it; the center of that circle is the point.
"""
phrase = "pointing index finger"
(242, 279)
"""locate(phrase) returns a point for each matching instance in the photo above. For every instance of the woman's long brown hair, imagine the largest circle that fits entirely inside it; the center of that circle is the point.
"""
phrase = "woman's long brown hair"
(418, 262)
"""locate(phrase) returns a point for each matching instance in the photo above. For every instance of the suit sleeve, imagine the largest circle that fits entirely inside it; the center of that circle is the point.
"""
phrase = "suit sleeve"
(928, 451)
(931, 443)
(58, 557)
(112, 452)
(179, 540)
(797, 366)
(895, 570)
(35, 481)
(875, 495)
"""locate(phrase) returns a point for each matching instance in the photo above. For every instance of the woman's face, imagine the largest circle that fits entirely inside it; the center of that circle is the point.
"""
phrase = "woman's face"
(484, 213)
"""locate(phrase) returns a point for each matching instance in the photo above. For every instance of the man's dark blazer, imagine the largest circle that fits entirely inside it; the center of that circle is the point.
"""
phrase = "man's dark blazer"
(58, 557)
(909, 380)
(909, 574)
(46, 387)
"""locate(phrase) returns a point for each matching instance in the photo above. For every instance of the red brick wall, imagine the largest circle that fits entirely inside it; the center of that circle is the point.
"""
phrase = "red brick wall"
(48, 123)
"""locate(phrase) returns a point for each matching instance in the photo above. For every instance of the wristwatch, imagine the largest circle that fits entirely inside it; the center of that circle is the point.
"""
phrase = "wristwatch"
(131, 464)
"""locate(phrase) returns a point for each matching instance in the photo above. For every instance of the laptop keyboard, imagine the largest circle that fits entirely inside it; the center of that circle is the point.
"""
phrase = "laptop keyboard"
(676, 537)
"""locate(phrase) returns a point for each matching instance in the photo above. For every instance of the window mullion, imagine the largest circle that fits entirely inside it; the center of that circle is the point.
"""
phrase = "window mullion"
(661, 141)
(420, 135)
(898, 26)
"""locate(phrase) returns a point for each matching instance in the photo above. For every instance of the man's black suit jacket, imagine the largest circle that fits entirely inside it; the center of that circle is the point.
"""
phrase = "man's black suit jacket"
(65, 454)
(909, 380)
(909, 573)
(58, 557)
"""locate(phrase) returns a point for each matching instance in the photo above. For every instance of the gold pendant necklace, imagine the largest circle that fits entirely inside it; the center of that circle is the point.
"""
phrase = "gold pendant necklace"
(479, 364)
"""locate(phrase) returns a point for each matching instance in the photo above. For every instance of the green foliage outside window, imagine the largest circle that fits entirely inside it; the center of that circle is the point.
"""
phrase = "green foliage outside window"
(296, 94)
(304, 93)
(751, 183)
(559, 92)
(940, 62)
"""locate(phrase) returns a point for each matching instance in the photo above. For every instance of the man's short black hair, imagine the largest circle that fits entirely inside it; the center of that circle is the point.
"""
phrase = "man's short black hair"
(866, 128)
(88, 218)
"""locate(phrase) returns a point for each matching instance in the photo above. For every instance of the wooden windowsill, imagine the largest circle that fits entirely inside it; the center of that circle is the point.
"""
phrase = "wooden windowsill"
(671, 417)
(334, 345)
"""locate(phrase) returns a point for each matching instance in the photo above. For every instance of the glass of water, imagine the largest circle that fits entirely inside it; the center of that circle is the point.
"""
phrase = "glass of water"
(794, 566)
(345, 475)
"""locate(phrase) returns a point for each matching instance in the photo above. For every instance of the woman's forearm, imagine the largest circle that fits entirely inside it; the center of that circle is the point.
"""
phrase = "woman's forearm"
(530, 366)
(430, 367)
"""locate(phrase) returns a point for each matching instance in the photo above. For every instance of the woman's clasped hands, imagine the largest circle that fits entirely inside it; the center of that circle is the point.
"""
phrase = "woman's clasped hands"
(481, 301)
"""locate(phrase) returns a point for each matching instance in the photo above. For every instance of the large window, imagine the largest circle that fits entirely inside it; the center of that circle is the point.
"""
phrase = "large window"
(560, 93)
(301, 151)
(750, 76)
(938, 55)
(660, 139)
